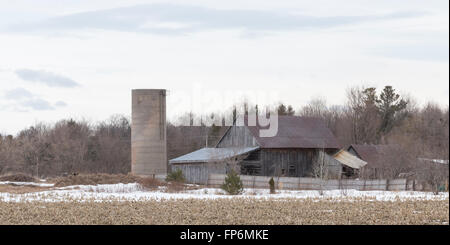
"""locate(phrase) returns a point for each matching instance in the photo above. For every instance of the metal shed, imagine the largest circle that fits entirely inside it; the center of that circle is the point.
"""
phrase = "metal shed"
(197, 165)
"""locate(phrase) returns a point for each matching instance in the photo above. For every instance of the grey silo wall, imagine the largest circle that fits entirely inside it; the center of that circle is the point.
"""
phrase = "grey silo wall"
(148, 132)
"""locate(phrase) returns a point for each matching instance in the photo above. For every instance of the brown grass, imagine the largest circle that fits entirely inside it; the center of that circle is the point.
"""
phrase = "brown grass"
(20, 189)
(148, 183)
(18, 178)
(94, 179)
(227, 211)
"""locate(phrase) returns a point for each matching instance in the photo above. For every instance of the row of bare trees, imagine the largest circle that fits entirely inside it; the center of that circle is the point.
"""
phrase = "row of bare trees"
(67, 147)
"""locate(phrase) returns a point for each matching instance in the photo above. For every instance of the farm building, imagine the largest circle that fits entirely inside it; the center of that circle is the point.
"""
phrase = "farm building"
(381, 160)
(299, 145)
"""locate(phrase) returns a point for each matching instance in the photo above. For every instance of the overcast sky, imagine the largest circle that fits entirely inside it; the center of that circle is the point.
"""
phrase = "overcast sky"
(81, 58)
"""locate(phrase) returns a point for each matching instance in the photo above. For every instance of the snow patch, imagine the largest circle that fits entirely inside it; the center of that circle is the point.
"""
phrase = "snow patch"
(135, 192)
(26, 183)
(106, 188)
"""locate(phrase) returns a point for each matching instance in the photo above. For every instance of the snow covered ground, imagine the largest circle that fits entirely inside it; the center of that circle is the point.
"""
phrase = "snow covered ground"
(135, 192)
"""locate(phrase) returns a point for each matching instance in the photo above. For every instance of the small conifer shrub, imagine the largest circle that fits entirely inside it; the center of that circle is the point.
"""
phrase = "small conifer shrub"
(272, 186)
(233, 184)
(176, 176)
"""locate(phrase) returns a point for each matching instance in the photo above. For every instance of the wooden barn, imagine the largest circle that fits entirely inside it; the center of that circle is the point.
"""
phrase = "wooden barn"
(299, 144)
(290, 153)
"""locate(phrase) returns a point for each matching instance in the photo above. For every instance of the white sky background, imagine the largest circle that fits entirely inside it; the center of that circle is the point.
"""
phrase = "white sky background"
(81, 58)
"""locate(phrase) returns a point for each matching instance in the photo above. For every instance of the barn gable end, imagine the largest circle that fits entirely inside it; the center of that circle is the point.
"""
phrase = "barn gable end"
(237, 136)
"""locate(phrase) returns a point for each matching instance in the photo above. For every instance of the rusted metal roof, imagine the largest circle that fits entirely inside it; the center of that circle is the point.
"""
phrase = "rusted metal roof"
(348, 159)
(212, 154)
(296, 132)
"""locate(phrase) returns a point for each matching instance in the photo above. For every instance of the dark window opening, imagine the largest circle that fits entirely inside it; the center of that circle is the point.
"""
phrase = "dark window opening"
(348, 172)
(251, 169)
(254, 156)
(292, 170)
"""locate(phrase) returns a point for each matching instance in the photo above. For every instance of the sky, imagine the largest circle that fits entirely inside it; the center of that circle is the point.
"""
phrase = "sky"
(80, 59)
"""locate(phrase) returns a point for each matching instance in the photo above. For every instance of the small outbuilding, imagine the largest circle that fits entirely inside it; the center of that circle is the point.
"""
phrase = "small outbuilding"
(351, 165)
(197, 165)
(383, 161)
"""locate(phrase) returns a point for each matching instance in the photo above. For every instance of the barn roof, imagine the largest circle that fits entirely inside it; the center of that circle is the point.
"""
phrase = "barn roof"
(212, 154)
(372, 154)
(348, 159)
(296, 132)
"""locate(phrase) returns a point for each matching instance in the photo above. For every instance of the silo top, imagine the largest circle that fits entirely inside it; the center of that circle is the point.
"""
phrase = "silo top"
(148, 91)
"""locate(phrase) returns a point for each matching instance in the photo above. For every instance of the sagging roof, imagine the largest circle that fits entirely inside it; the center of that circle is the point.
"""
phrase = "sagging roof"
(212, 154)
(373, 154)
(296, 132)
(346, 158)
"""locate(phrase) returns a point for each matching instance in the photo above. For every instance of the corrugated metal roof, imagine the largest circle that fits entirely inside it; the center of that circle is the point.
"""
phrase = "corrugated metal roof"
(212, 154)
(348, 159)
(297, 132)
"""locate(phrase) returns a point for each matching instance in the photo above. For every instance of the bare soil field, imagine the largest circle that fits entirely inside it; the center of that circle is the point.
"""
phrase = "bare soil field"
(128, 199)
(227, 212)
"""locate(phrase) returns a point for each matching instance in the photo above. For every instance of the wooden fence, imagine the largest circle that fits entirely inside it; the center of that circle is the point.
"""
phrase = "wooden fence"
(293, 183)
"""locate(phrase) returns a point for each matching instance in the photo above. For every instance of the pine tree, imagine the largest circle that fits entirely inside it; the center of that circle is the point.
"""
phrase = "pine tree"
(233, 184)
(390, 106)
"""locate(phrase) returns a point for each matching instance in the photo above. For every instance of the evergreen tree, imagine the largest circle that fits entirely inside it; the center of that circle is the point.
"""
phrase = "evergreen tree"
(233, 184)
(390, 107)
(272, 186)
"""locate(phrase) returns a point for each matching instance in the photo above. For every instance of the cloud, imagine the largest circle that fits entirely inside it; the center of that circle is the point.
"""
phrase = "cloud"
(60, 103)
(37, 104)
(23, 100)
(180, 19)
(45, 77)
(17, 94)
(428, 51)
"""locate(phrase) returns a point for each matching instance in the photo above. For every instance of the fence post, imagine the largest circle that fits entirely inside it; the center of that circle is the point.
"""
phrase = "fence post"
(387, 184)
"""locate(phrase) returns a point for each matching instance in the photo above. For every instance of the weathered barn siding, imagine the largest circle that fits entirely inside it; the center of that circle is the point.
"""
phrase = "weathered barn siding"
(197, 173)
(279, 162)
(237, 136)
(288, 162)
(333, 167)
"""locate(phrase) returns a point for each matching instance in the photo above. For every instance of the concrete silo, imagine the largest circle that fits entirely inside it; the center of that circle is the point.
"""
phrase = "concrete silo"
(148, 132)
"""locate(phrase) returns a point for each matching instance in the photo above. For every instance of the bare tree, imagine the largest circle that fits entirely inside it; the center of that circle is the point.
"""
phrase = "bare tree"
(434, 174)
(316, 107)
(364, 114)
(320, 168)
